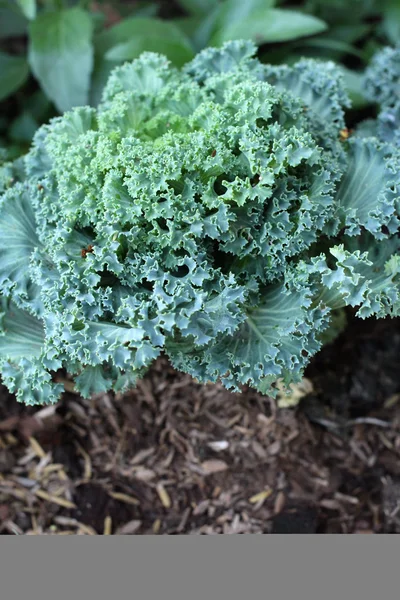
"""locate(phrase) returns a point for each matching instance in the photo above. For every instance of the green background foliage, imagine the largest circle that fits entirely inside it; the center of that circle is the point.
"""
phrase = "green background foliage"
(57, 54)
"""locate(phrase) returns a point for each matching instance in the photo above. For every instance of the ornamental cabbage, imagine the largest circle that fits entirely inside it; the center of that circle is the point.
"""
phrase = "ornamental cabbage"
(217, 214)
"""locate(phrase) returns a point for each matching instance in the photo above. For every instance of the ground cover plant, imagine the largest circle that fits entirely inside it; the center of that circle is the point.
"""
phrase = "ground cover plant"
(221, 213)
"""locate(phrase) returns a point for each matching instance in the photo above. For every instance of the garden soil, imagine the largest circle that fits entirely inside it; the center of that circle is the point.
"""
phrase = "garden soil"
(175, 457)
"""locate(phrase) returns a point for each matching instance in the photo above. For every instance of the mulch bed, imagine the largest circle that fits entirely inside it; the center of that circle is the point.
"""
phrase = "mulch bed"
(175, 457)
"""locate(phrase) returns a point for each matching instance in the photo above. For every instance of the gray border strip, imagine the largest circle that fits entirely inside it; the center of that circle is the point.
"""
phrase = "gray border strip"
(206, 567)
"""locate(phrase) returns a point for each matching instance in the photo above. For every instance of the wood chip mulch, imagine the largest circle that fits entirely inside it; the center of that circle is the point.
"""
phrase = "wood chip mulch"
(175, 457)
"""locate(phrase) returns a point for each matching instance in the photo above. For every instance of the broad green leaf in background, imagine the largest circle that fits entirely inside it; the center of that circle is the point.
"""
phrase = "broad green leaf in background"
(101, 72)
(232, 12)
(38, 105)
(156, 36)
(343, 11)
(12, 22)
(198, 7)
(391, 20)
(333, 45)
(61, 55)
(13, 73)
(28, 8)
(174, 51)
(189, 25)
(205, 29)
(371, 47)
(224, 14)
(23, 128)
(270, 25)
(354, 83)
(137, 8)
(350, 33)
(118, 34)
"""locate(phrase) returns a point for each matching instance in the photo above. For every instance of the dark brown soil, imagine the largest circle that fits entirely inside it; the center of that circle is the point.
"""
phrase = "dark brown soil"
(175, 457)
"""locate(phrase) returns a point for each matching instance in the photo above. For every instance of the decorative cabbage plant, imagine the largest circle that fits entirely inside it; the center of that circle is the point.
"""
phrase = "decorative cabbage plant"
(219, 214)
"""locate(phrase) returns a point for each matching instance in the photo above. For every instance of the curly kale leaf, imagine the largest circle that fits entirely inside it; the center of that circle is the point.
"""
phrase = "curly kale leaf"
(382, 86)
(382, 80)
